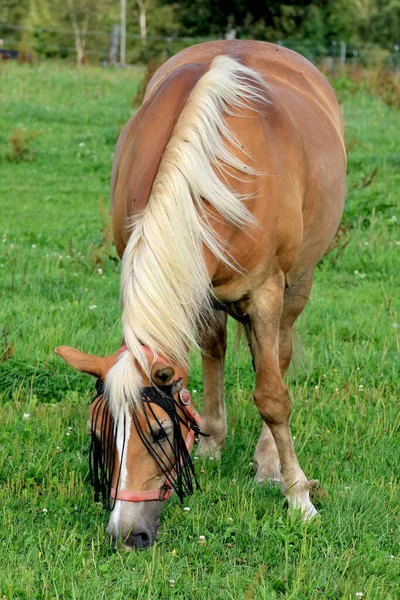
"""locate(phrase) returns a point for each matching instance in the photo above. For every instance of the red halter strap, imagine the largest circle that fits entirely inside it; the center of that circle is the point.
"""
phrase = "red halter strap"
(166, 490)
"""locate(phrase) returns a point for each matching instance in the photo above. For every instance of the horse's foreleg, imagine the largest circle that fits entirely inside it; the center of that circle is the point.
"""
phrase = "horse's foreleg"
(271, 396)
(213, 344)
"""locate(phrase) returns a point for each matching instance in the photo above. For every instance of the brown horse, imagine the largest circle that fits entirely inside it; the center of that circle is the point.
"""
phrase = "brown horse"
(228, 186)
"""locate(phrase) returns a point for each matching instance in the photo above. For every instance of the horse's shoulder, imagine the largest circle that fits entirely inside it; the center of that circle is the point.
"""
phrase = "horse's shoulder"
(142, 144)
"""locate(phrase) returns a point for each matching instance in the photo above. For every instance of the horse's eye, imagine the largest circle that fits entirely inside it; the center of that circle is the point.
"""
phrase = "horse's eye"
(160, 435)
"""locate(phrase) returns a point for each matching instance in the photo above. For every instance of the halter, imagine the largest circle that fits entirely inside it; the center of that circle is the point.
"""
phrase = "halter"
(192, 436)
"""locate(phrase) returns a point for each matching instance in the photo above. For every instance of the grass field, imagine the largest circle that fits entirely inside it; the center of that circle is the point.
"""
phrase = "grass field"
(59, 281)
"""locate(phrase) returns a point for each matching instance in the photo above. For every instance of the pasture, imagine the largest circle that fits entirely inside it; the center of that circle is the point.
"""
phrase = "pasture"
(59, 284)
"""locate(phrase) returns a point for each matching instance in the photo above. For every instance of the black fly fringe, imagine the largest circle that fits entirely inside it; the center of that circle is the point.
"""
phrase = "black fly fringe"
(179, 471)
(103, 449)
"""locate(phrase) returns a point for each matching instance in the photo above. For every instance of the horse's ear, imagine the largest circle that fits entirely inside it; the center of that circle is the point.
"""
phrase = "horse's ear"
(97, 366)
(162, 374)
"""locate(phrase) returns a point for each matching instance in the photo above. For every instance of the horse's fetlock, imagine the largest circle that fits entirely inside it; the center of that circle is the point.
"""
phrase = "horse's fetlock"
(217, 430)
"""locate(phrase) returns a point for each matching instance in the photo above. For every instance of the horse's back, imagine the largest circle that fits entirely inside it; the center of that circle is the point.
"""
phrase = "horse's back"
(295, 141)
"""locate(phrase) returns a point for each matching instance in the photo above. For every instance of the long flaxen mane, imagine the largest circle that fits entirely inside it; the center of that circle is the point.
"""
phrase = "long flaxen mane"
(165, 287)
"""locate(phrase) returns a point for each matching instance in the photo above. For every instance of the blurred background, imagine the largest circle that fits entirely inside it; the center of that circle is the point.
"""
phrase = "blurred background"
(333, 33)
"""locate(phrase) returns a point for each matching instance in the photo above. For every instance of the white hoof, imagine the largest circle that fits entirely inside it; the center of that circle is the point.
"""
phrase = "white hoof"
(309, 513)
(269, 478)
(302, 503)
(209, 447)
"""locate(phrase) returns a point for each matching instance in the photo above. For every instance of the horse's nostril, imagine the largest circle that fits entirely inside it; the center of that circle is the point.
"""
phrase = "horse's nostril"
(139, 540)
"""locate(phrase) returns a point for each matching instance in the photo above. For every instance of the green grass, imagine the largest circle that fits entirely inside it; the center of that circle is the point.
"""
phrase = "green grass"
(347, 436)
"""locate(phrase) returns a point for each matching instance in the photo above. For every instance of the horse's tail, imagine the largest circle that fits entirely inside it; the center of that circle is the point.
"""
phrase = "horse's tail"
(165, 286)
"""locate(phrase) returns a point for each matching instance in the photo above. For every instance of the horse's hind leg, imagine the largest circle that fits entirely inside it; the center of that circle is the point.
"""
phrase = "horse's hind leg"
(266, 457)
(213, 344)
(266, 318)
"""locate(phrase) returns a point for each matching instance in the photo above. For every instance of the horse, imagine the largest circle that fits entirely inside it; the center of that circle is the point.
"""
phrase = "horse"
(227, 188)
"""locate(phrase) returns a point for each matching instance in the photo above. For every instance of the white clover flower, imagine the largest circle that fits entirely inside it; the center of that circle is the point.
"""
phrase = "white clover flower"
(171, 583)
(33, 246)
(359, 595)
(230, 519)
(68, 433)
(26, 415)
(186, 509)
(44, 510)
(202, 540)
(81, 144)
(92, 306)
(100, 271)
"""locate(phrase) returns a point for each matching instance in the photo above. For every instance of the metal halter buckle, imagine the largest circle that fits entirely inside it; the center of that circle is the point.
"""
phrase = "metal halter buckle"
(184, 396)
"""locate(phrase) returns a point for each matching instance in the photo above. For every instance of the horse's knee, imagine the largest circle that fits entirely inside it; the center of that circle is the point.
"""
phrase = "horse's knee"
(216, 348)
(273, 402)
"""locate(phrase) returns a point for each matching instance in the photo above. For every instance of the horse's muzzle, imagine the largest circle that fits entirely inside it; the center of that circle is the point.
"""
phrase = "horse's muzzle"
(141, 541)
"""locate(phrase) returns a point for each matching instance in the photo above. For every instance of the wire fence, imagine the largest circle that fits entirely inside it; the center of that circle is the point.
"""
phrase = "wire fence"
(48, 42)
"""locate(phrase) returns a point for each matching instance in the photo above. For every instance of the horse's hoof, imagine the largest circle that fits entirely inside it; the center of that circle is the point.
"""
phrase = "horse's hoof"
(273, 480)
(309, 513)
(210, 449)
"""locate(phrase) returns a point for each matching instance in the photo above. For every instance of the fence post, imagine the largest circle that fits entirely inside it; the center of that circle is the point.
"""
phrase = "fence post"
(114, 43)
(122, 50)
(342, 55)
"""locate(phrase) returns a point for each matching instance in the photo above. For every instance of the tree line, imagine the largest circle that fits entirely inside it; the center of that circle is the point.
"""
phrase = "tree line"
(51, 27)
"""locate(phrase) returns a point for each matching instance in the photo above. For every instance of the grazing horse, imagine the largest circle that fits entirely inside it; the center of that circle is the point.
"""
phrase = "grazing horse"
(227, 186)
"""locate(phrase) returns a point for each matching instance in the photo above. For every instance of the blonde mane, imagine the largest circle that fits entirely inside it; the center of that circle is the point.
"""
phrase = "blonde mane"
(165, 287)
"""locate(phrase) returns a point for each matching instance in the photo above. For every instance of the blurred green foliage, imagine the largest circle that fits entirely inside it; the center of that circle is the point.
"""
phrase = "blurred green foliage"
(312, 27)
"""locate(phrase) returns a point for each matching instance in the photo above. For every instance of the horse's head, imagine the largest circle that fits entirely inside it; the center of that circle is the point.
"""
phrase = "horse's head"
(138, 456)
